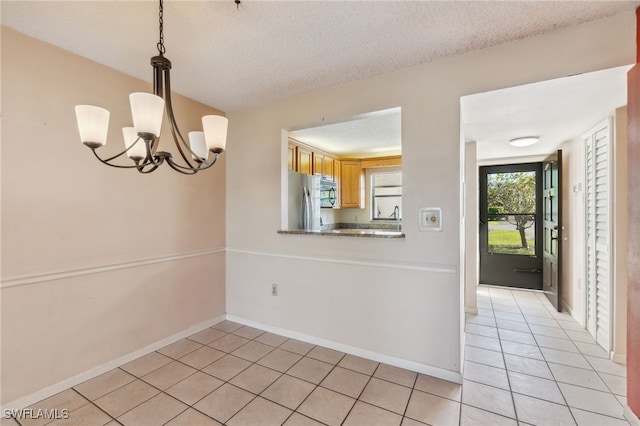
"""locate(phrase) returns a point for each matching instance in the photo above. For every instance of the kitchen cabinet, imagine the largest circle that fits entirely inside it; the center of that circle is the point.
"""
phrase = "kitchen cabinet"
(292, 157)
(336, 178)
(323, 165)
(327, 168)
(304, 160)
(390, 161)
(317, 163)
(351, 184)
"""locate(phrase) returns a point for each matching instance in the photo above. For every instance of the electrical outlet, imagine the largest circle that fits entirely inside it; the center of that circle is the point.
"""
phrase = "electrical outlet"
(274, 289)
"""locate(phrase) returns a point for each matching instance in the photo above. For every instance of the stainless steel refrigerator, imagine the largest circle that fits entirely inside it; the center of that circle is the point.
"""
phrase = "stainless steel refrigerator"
(304, 201)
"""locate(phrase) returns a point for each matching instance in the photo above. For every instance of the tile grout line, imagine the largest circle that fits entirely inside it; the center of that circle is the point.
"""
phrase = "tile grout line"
(243, 370)
(546, 362)
(592, 369)
(406, 407)
(504, 361)
(361, 392)
(484, 384)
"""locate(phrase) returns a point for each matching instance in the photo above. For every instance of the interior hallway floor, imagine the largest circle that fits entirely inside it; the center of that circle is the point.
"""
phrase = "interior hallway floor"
(525, 364)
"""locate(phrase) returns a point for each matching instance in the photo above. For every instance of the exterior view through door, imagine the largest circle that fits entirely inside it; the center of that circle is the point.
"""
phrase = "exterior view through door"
(510, 231)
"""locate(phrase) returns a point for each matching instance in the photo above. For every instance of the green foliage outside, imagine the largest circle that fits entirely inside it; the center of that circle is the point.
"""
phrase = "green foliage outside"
(504, 241)
(511, 198)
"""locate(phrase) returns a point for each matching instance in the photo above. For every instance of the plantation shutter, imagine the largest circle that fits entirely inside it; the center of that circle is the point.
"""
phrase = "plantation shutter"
(598, 234)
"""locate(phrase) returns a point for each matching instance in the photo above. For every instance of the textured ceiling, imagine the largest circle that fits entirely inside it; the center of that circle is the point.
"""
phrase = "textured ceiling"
(268, 50)
(367, 135)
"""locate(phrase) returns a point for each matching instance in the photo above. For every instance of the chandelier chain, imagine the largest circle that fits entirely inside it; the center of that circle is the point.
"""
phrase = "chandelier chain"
(160, 45)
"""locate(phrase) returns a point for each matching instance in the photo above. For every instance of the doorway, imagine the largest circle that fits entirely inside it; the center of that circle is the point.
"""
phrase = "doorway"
(510, 225)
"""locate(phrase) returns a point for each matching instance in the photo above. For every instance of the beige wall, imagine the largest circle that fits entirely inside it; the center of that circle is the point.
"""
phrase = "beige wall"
(395, 298)
(97, 262)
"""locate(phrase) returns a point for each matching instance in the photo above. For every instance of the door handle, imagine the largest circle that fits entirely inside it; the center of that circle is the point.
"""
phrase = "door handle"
(533, 271)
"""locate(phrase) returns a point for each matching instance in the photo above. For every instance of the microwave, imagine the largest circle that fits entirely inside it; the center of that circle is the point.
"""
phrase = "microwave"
(328, 194)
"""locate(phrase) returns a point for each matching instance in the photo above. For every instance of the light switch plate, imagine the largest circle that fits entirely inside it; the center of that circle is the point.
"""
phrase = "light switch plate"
(430, 219)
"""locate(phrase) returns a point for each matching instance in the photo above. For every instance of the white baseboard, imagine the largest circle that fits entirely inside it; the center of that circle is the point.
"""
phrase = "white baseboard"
(619, 358)
(631, 417)
(470, 310)
(30, 399)
(566, 307)
(451, 376)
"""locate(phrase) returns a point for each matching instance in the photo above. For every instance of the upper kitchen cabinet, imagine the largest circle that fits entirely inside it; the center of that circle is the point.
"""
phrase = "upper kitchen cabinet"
(328, 167)
(292, 157)
(351, 184)
(370, 163)
(309, 160)
(323, 165)
(305, 160)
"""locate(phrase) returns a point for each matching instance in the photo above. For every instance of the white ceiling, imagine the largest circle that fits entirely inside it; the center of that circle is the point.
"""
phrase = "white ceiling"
(368, 135)
(555, 110)
(270, 50)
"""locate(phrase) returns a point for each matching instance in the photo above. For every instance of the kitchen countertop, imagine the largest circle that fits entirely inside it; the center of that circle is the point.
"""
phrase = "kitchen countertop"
(358, 233)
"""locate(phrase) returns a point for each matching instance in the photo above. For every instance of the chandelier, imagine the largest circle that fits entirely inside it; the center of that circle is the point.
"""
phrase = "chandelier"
(141, 140)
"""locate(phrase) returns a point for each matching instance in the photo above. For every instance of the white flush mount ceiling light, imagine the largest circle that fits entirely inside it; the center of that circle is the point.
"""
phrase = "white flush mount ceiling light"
(524, 141)
(141, 140)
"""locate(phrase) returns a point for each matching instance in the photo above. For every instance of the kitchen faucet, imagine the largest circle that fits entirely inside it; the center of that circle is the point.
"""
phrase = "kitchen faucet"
(396, 216)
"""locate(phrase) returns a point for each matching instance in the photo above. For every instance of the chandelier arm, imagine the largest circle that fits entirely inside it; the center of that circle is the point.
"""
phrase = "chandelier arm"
(202, 165)
(178, 139)
(109, 159)
(119, 154)
(142, 170)
(205, 165)
(175, 130)
(150, 163)
(181, 169)
(152, 159)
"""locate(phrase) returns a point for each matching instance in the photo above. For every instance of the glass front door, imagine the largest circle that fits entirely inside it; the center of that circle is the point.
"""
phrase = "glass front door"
(510, 217)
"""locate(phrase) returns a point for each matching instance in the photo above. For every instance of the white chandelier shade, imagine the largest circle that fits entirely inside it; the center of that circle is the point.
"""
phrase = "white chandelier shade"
(215, 132)
(136, 147)
(93, 124)
(147, 111)
(198, 146)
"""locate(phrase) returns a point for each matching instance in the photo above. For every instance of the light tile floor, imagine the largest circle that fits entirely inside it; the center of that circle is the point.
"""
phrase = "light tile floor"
(525, 364)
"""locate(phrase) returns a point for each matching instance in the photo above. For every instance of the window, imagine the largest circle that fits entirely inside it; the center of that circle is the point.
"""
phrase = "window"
(386, 196)
(511, 211)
